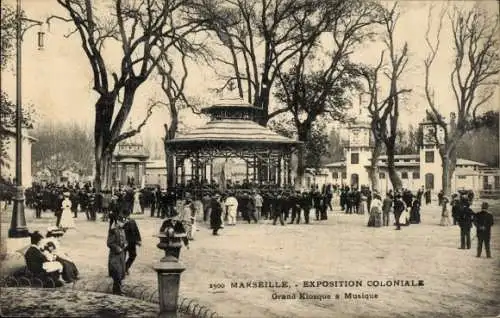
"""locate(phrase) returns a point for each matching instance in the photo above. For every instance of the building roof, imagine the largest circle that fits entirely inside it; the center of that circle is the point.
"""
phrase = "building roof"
(410, 156)
(232, 130)
(338, 164)
(467, 162)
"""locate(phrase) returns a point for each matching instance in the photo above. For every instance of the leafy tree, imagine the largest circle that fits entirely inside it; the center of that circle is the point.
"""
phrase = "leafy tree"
(482, 143)
(336, 147)
(309, 93)
(407, 141)
(61, 147)
(316, 147)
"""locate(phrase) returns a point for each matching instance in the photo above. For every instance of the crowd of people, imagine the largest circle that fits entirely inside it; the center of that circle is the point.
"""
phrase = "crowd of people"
(219, 208)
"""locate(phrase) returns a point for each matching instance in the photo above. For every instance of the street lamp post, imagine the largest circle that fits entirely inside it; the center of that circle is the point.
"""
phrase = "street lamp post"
(18, 226)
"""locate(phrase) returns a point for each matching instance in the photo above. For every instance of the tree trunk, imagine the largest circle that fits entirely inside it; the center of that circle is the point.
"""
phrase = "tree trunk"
(449, 162)
(169, 156)
(103, 118)
(304, 133)
(373, 172)
(395, 180)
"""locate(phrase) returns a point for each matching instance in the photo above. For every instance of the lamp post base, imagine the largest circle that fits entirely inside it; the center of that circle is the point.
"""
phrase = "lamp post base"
(169, 275)
(18, 226)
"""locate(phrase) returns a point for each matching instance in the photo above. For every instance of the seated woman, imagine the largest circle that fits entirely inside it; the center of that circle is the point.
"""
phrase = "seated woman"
(69, 270)
(38, 264)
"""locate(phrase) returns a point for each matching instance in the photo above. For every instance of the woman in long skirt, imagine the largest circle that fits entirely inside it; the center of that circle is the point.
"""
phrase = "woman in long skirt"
(415, 212)
(375, 212)
(66, 220)
(137, 204)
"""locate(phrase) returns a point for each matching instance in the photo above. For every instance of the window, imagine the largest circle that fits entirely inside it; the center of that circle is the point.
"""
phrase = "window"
(416, 175)
(406, 160)
(344, 175)
(354, 158)
(335, 175)
(429, 156)
(404, 175)
(497, 182)
(462, 177)
(381, 175)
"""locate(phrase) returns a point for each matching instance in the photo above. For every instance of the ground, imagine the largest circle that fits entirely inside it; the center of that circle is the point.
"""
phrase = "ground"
(455, 282)
(61, 303)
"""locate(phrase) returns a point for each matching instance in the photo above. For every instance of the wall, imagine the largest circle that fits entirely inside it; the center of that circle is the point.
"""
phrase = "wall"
(433, 168)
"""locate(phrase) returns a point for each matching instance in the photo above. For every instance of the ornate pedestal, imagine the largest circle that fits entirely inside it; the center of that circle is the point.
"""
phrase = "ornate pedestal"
(169, 269)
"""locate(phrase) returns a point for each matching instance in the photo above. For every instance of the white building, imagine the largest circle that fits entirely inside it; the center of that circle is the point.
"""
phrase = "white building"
(8, 171)
(415, 170)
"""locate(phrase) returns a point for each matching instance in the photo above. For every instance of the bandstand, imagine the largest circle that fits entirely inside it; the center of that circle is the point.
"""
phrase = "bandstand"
(233, 132)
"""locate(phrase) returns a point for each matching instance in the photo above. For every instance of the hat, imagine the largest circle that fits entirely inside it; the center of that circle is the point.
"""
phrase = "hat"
(484, 206)
(66, 194)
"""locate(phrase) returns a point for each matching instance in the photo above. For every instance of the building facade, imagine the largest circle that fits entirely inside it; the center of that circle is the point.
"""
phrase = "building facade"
(129, 163)
(422, 169)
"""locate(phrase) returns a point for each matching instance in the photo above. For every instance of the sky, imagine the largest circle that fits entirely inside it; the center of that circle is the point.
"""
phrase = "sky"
(58, 81)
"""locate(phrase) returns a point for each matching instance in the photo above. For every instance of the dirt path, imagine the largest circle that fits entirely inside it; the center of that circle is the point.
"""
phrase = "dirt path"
(455, 283)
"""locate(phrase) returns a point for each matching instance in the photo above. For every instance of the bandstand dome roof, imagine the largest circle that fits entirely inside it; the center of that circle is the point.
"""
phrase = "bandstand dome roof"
(232, 130)
(232, 121)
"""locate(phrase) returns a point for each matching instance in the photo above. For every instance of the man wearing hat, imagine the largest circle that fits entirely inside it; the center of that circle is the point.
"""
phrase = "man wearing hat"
(215, 214)
(133, 237)
(464, 217)
(483, 222)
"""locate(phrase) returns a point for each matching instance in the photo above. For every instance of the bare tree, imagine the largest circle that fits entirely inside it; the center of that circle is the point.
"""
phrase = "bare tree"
(145, 29)
(261, 36)
(384, 112)
(309, 93)
(473, 78)
(173, 84)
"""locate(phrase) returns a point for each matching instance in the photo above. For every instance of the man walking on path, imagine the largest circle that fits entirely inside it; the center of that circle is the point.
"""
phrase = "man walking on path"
(133, 239)
(483, 222)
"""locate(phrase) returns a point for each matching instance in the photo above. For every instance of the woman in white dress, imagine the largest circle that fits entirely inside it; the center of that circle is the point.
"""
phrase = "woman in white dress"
(137, 204)
(66, 221)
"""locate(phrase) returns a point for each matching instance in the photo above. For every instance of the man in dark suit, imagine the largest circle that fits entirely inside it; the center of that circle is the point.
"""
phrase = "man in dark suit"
(306, 205)
(483, 222)
(464, 218)
(34, 260)
(133, 237)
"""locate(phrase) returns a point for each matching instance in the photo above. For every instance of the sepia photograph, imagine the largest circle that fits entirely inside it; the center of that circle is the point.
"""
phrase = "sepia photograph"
(250, 158)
